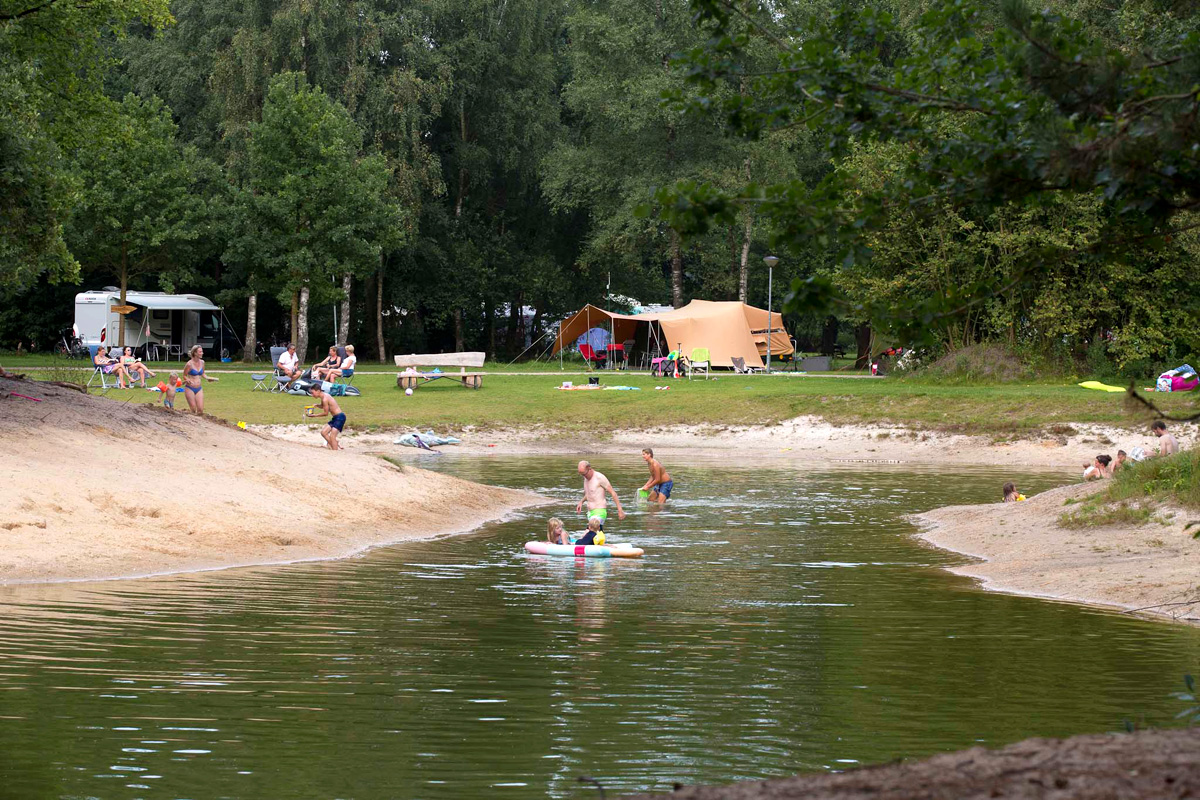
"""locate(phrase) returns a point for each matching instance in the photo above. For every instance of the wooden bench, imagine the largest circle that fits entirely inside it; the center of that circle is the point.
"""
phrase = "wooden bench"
(410, 380)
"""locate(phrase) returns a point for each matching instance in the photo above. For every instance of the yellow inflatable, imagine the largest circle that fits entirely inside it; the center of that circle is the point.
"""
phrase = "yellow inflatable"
(1101, 387)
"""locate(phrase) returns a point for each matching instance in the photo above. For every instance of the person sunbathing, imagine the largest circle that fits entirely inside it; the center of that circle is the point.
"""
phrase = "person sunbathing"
(135, 367)
(111, 366)
(346, 366)
(332, 361)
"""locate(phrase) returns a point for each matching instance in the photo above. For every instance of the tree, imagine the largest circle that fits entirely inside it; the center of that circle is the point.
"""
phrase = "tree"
(139, 207)
(315, 209)
(51, 101)
(1042, 107)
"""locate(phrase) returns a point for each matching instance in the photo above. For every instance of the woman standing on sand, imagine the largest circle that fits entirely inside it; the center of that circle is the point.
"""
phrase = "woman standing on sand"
(193, 372)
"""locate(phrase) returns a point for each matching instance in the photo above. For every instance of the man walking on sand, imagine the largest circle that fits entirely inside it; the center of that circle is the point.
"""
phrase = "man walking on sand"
(594, 487)
(1167, 446)
(660, 483)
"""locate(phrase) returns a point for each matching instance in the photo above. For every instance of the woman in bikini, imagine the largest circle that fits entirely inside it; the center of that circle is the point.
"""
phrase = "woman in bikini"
(135, 368)
(193, 374)
(111, 366)
(331, 362)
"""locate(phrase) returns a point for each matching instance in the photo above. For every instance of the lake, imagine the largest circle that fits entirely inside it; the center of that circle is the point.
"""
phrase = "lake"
(783, 619)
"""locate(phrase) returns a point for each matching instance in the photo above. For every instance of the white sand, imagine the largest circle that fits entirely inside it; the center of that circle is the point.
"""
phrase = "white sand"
(92, 489)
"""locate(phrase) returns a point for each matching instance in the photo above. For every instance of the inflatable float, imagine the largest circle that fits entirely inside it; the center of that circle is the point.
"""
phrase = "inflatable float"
(585, 550)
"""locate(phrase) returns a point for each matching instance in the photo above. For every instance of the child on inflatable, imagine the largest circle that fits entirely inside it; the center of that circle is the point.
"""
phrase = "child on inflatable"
(555, 532)
(594, 535)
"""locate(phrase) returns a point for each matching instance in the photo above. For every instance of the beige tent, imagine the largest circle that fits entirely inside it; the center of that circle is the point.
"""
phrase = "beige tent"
(727, 329)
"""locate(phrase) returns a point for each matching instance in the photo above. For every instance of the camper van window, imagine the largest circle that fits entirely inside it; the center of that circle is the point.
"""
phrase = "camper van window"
(159, 315)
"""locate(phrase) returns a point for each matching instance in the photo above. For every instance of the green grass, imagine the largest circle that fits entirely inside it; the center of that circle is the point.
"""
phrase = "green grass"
(1135, 493)
(524, 401)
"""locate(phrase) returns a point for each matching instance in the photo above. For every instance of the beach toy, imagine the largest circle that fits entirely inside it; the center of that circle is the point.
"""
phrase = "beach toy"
(241, 425)
(643, 494)
(408, 391)
(584, 550)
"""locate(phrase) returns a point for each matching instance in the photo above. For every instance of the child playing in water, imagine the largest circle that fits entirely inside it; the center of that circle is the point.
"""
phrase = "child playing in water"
(1011, 495)
(594, 535)
(556, 533)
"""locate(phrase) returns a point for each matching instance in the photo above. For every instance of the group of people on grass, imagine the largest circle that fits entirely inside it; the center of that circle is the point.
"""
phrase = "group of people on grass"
(1104, 466)
(126, 367)
(596, 490)
(331, 368)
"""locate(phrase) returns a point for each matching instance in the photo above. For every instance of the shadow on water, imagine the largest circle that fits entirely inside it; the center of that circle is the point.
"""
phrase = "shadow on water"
(784, 619)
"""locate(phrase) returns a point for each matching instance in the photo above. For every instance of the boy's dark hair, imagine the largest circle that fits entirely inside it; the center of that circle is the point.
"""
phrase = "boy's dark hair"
(648, 451)
(1122, 453)
(316, 386)
(1158, 425)
(1104, 459)
(1009, 488)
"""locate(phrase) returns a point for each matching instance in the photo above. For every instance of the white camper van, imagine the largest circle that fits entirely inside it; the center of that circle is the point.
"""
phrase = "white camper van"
(160, 326)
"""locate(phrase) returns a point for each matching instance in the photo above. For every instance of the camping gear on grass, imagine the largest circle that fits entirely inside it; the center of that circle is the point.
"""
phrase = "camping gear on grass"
(1180, 379)
(302, 386)
(584, 550)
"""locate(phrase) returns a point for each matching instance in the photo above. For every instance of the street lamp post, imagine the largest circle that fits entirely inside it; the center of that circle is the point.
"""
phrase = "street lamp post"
(770, 261)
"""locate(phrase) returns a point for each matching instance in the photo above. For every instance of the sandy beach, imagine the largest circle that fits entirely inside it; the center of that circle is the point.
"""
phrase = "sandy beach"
(808, 438)
(93, 489)
(1151, 569)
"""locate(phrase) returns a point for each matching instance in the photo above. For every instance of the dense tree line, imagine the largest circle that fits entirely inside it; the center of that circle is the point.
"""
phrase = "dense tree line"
(424, 173)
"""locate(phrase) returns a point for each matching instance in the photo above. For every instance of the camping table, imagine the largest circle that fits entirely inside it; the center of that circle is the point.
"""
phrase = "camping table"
(616, 352)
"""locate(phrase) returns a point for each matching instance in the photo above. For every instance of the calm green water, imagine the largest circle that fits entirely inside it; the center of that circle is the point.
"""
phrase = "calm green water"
(784, 620)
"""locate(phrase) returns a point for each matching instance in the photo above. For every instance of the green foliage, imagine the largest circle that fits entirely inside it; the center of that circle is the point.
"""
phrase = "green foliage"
(140, 208)
(314, 208)
(1192, 712)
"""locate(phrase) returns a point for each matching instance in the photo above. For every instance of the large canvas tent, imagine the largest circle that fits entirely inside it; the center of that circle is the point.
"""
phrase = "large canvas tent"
(727, 329)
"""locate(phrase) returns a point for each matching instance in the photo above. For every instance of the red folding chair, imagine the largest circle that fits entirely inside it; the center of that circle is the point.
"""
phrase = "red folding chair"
(591, 356)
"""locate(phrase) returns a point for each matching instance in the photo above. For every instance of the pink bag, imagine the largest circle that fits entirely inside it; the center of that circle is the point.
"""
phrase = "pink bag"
(1178, 384)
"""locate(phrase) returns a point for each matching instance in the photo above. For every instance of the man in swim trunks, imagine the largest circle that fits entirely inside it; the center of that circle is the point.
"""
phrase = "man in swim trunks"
(327, 405)
(594, 487)
(660, 483)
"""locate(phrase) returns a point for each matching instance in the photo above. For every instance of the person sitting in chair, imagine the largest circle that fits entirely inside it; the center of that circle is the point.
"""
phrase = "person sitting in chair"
(331, 361)
(346, 366)
(289, 363)
(111, 366)
(135, 367)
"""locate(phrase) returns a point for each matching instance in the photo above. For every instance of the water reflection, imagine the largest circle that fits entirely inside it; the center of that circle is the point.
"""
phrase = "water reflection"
(783, 619)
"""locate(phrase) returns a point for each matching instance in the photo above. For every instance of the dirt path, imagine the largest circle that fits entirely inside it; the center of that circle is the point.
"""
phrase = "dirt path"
(1148, 764)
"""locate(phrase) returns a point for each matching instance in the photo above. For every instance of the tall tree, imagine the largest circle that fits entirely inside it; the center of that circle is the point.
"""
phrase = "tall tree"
(140, 205)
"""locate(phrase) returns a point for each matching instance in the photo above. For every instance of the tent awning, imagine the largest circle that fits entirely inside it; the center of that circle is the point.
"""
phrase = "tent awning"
(172, 302)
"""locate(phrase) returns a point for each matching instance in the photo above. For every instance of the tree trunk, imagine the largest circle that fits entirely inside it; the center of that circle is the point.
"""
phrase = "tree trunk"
(462, 172)
(124, 288)
(458, 331)
(744, 271)
(251, 328)
(862, 340)
(379, 315)
(294, 322)
(829, 334)
(490, 314)
(676, 270)
(344, 322)
(515, 344)
(301, 335)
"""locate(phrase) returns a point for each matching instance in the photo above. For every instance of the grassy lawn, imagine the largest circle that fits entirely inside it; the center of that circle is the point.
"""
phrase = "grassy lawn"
(521, 401)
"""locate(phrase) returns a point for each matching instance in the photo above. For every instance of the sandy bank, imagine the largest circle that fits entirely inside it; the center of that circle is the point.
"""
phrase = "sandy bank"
(93, 489)
(1147, 764)
(808, 438)
(1152, 567)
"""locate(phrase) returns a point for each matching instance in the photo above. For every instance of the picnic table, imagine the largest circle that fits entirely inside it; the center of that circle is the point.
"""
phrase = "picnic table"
(420, 363)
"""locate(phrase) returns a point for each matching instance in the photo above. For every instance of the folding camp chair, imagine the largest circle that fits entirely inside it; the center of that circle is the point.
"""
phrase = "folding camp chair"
(590, 356)
(281, 381)
(98, 372)
(260, 381)
(740, 368)
(698, 361)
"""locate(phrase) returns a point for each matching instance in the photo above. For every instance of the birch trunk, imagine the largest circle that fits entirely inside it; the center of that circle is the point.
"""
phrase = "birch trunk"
(294, 322)
(301, 334)
(676, 270)
(379, 316)
(251, 328)
(124, 287)
(344, 320)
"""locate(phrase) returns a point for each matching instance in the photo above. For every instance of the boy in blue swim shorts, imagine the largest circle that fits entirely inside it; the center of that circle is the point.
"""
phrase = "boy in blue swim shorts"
(660, 483)
(327, 405)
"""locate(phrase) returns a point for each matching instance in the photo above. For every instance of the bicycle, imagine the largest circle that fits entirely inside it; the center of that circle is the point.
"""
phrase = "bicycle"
(70, 346)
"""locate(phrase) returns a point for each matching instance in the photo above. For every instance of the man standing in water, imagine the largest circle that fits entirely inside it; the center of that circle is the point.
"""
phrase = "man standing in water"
(594, 487)
(660, 483)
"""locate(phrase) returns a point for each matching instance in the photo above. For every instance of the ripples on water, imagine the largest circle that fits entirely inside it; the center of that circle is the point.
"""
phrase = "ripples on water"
(783, 620)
